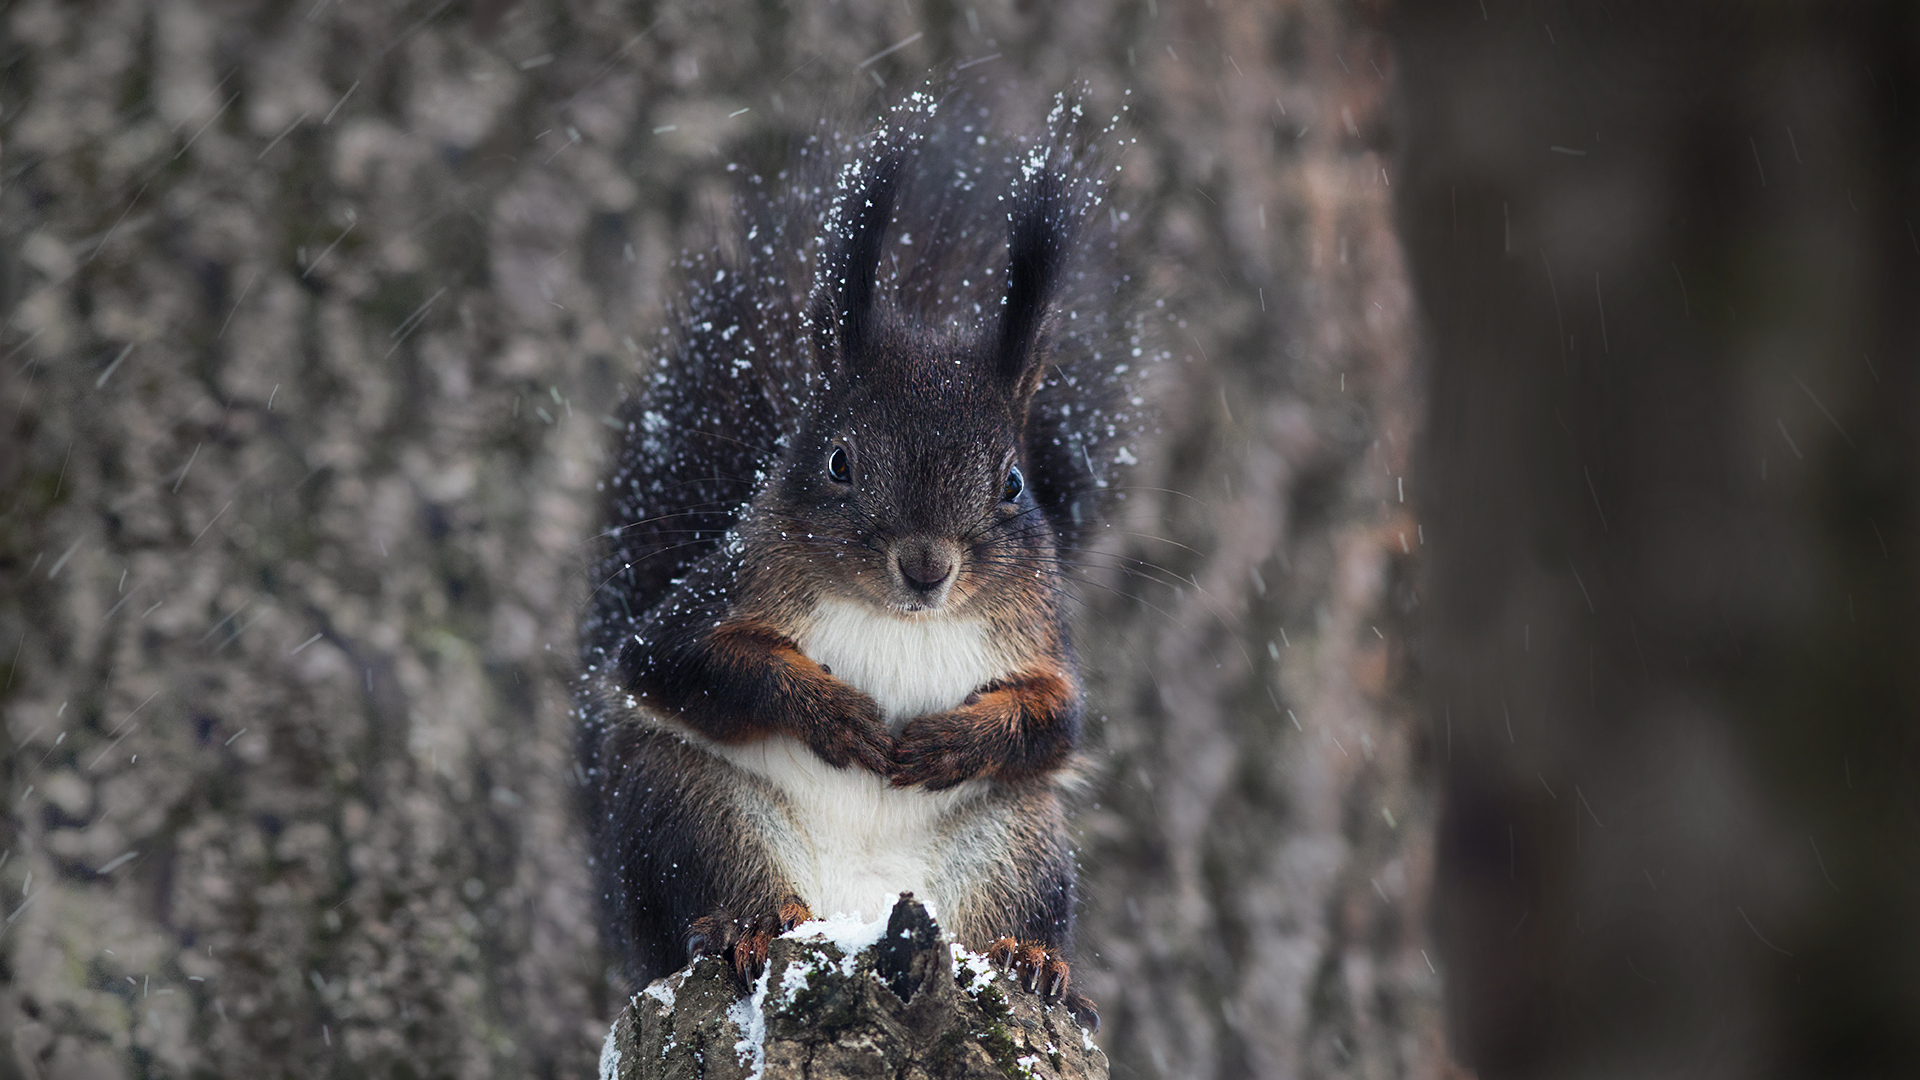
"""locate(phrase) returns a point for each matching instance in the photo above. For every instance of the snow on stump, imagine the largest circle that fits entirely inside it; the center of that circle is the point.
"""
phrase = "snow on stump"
(842, 999)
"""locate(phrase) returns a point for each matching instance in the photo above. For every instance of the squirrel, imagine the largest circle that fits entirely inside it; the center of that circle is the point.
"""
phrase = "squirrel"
(827, 658)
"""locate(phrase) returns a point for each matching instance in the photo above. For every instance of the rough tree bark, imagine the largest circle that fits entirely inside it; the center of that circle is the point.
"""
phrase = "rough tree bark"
(906, 1005)
(311, 313)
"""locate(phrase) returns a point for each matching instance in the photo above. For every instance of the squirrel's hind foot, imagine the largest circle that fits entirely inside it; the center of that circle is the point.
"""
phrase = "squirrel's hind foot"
(1046, 973)
(743, 943)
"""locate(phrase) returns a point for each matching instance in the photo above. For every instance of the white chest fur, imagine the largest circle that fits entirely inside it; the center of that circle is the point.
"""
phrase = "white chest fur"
(847, 838)
(911, 666)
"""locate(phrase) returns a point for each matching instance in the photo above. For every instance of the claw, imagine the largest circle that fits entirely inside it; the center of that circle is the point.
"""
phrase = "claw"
(1040, 971)
(1084, 1011)
(750, 955)
(793, 912)
(707, 935)
(744, 943)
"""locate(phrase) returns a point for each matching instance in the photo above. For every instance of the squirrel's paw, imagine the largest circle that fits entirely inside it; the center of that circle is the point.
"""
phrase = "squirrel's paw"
(743, 943)
(939, 751)
(850, 731)
(1044, 972)
(1011, 731)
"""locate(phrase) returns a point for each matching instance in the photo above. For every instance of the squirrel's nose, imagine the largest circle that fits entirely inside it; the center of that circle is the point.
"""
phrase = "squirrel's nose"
(925, 565)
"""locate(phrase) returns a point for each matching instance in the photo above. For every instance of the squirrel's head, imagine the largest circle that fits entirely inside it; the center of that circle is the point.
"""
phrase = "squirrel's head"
(906, 486)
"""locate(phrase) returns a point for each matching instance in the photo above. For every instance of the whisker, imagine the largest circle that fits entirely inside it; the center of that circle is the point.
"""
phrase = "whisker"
(718, 437)
(1157, 490)
(630, 565)
(1210, 602)
(1126, 564)
(1161, 539)
(993, 574)
(711, 534)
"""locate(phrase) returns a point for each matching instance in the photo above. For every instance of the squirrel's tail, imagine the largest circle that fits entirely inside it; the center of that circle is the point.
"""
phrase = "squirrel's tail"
(1088, 416)
(706, 423)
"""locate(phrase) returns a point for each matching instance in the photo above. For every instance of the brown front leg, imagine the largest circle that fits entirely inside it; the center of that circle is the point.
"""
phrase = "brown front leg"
(747, 681)
(1009, 730)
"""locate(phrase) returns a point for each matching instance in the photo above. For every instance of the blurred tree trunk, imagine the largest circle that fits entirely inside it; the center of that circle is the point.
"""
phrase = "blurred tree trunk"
(312, 313)
(1668, 259)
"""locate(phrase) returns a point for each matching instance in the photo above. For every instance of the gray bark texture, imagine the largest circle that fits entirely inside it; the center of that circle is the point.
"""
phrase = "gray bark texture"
(312, 314)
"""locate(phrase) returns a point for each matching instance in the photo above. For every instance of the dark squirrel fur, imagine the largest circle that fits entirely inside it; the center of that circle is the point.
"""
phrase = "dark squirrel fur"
(876, 435)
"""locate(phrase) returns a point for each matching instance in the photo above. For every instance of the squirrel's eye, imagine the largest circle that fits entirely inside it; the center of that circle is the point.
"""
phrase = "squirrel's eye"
(838, 469)
(1015, 485)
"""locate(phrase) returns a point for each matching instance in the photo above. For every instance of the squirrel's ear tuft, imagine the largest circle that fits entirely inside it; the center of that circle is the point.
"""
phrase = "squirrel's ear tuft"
(843, 305)
(1042, 227)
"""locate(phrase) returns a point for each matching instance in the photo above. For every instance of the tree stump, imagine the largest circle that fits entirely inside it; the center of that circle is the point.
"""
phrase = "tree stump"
(850, 1002)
